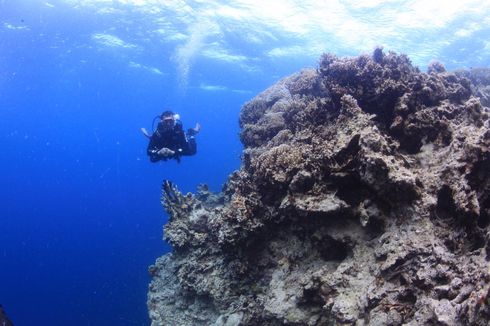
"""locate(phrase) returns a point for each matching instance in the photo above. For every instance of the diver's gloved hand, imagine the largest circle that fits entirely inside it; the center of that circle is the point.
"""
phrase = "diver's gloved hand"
(166, 152)
(194, 131)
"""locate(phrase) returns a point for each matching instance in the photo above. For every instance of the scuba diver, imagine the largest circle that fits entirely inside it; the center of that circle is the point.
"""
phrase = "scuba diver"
(169, 140)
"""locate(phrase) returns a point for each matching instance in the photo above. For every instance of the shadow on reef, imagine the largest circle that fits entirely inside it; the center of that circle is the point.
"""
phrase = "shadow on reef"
(362, 199)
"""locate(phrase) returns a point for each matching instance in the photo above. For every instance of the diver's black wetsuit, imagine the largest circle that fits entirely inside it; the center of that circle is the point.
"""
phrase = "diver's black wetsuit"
(174, 139)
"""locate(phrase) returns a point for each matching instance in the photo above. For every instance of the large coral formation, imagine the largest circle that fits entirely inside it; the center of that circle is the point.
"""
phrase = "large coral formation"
(363, 199)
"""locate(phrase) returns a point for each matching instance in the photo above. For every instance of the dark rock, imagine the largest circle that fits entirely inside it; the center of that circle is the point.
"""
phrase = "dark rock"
(4, 320)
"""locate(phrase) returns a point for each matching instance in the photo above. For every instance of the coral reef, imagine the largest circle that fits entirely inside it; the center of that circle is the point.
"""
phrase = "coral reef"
(480, 78)
(363, 199)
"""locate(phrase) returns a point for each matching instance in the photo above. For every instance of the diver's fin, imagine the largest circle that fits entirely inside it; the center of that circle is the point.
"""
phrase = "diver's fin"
(145, 132)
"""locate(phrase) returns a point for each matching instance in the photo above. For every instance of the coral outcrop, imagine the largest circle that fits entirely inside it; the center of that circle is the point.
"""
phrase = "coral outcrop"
(363, 199)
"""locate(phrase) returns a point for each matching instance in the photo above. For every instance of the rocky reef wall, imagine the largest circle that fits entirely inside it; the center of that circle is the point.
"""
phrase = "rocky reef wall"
(363, 199)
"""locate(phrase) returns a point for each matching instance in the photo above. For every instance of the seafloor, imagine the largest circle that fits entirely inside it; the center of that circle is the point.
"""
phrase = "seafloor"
(362, 199)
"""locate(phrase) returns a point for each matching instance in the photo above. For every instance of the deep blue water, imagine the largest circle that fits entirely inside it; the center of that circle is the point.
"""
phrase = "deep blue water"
(80, 213)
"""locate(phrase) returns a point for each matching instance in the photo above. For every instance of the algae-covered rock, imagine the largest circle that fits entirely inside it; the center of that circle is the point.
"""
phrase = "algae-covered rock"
(362, 199)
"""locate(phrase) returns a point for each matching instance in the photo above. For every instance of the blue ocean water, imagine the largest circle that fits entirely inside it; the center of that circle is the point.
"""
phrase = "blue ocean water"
(80, 214)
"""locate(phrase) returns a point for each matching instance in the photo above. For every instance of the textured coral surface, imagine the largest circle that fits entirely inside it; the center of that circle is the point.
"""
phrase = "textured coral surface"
(362, 199)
